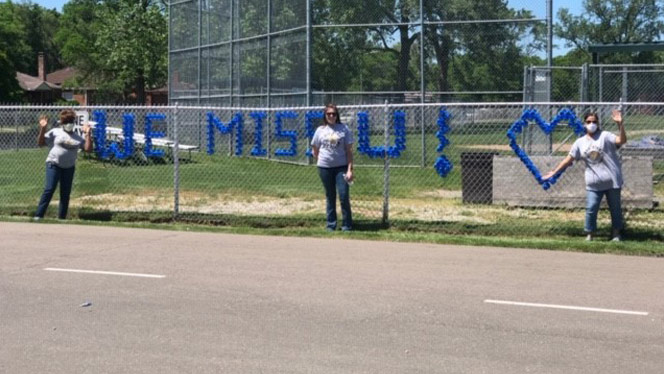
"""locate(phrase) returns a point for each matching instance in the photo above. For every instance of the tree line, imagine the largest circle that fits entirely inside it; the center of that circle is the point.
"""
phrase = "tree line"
(462, 52)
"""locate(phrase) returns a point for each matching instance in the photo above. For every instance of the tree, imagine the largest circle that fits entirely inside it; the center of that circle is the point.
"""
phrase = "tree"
(336, 58)
(399, 12)
(470, 56)
(134, 41)
(336, 50)
(9, 88)
(13, 51)
(76, 36)
(41, 26)
(479, 56)
(567, 82)
(612, 21)
(120, 46)
(349, 44)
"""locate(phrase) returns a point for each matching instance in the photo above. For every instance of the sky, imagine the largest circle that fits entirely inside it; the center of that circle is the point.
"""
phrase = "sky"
(537, 6)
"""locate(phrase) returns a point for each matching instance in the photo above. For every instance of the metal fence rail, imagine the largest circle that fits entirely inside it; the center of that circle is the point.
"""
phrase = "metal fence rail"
(309, 52)
(594, 82)
(227, 164)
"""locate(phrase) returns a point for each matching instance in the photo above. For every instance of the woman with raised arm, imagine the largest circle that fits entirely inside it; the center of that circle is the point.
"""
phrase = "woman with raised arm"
(599, 151)
(64, 144)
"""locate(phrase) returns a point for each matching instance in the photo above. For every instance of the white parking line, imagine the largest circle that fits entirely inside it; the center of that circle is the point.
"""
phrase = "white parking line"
(569, 307)
(107, 273)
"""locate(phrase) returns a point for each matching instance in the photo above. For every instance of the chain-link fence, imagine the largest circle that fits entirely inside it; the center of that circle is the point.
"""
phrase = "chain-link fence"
(277, 53)
(451, 168)
(593, 83)
(597, 83)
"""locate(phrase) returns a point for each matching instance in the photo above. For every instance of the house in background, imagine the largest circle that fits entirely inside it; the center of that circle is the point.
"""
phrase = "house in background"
(47, 88)
(158, 96)
(37, 90)
(82, 95)
(50, 88)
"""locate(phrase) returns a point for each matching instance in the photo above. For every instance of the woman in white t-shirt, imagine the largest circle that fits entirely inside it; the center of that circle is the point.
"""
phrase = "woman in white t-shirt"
(332, 146)
(64, 144)
(599, 151)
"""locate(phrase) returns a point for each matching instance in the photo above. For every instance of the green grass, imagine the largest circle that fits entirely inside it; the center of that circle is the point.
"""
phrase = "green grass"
(243, 179)
(398, 231)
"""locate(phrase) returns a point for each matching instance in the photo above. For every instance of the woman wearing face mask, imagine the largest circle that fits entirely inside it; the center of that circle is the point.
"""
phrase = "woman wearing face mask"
(64, 144)
(599, 150)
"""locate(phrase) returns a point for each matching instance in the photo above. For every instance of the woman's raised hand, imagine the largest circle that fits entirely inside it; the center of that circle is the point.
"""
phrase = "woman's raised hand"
(616, 115)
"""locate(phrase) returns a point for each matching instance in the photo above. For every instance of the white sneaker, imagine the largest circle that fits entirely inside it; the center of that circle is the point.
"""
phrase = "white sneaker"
(617, 238)
(589, 238)
(36, 218)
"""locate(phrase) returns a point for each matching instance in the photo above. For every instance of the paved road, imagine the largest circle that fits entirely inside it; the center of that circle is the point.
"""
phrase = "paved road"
(253, 304)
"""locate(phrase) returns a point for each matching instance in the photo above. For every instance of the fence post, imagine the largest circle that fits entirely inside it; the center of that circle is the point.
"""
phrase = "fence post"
(525, 83)
(423, 137)
(16, 134)
(422, 84)
(601, 84)
(528, 96)
(231, 135)
(176, 165)
(268, 132)
(623, 94)
(549, 87)
(386, 167)
(584, 83)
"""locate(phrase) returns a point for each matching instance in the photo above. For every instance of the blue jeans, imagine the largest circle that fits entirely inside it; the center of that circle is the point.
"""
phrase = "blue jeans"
(593, 199)
(333, 181)
(55, 174)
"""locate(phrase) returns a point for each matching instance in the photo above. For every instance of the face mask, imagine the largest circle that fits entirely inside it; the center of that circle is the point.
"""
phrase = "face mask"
(591, 128)
(69, 127)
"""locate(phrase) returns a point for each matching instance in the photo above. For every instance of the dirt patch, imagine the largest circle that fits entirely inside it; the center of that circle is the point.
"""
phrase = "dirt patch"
(144, 202)
(273, 207)
(199, 202)
(442, 194)
(437, 205)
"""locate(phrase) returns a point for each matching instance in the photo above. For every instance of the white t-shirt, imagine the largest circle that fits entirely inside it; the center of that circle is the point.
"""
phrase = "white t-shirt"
(64, 147)
(331, 141)
(600, 154)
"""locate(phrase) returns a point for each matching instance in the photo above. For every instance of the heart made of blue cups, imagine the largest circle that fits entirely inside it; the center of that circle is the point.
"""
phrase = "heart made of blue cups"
(566, 115)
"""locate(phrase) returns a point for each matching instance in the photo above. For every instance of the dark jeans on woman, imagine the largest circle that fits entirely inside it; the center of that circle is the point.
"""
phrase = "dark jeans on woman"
(55, 174)
(333, 181)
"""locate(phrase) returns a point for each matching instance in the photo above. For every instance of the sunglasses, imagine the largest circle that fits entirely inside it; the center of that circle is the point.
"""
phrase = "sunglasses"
(330, 114)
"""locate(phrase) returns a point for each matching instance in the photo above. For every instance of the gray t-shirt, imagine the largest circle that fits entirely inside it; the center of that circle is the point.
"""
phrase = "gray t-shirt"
(600, 154)
(331, 141)
(64, 147)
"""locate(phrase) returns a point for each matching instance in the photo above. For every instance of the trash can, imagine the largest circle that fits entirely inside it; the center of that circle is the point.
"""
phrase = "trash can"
(477, 177)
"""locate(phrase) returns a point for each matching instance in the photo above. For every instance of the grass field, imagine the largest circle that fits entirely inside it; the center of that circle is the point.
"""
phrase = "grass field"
(256, 195)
